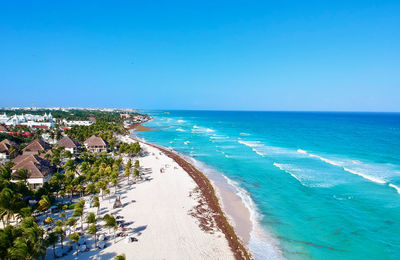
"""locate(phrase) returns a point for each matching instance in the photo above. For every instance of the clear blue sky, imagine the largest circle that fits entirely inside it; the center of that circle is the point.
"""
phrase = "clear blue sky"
(230, 55)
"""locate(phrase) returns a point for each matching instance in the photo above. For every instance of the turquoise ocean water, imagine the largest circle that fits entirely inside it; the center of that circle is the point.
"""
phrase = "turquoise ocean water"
(324, 185)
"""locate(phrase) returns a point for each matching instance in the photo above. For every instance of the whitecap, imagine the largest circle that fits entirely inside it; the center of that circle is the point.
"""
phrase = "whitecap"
(397, 188)
(370, 178)
(250, 143)
(180, 130)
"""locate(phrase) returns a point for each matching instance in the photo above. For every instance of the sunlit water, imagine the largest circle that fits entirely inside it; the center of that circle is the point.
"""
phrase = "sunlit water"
(325, 185)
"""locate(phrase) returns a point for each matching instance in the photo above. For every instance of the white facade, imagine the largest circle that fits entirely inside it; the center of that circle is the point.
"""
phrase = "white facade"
(83, 123)
(27, 120)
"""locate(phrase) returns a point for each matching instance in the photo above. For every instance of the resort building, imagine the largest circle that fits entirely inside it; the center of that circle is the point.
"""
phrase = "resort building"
(36, 146)
(69, 144)
(95, 144)
(28, 120)
(5, 152)
(77, 122)
(38, 169)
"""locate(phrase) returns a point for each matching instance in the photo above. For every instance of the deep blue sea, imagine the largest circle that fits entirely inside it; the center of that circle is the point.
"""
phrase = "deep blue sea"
(324, 185)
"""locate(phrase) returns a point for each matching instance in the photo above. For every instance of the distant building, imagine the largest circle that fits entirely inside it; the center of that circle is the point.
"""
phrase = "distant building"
(36, 146)
(69, 144)
(28, 120)
(39, 170)
(95, 144)
(125, 116)
(77, 122)
(5, 146)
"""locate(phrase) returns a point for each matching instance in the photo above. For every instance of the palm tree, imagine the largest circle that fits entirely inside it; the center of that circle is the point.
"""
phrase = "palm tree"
(110, 223)
(136, 173)
(61, 193)
(52, 240)
(80, 189)
(127, 169)
(22, 175)
(74, 237)
(13, 151)
(10, 204)
(137, 164)
(91, 218)
(44, 203)
(120, 257)
(61, 234)
(96, 203)
(93, 231)
(102, 186)
(30, 245)
(78, 212)
(71, 222)
(24, 212)
(90, 188)
(127, 173)
(70, 189)
(114, 182)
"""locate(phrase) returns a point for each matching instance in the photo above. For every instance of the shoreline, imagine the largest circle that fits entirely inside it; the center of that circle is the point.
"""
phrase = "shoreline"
(213, 198)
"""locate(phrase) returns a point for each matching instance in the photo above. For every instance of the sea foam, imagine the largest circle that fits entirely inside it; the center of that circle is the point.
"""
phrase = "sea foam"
(370, 178)
(397, 188)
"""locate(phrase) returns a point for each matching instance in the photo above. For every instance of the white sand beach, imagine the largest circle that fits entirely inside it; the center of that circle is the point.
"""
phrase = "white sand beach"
(156, 211)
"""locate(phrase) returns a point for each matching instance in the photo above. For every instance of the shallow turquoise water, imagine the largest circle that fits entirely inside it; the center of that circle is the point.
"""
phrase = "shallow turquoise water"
(326, 185)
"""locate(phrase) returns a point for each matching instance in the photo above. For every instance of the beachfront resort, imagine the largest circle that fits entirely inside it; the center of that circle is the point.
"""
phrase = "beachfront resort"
(93, 191)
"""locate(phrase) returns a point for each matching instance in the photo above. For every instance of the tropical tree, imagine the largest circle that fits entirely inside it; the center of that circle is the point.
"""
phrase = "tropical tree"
(137, 164)
(80, 189)
(114, 182)
(21, 175)
(136, 174)
(78, 212)
(74, 237)
(96, 203)
(91, 218)
(127, 170)
(93, 231)
(44, 203)
(52, 240)
(10, 204)
(110, 223)
(71, 222)
(61, 234)
(101, 185)
(24, 212)
(119, 257)
(90, 188)
(61, 193)
(29, 244)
